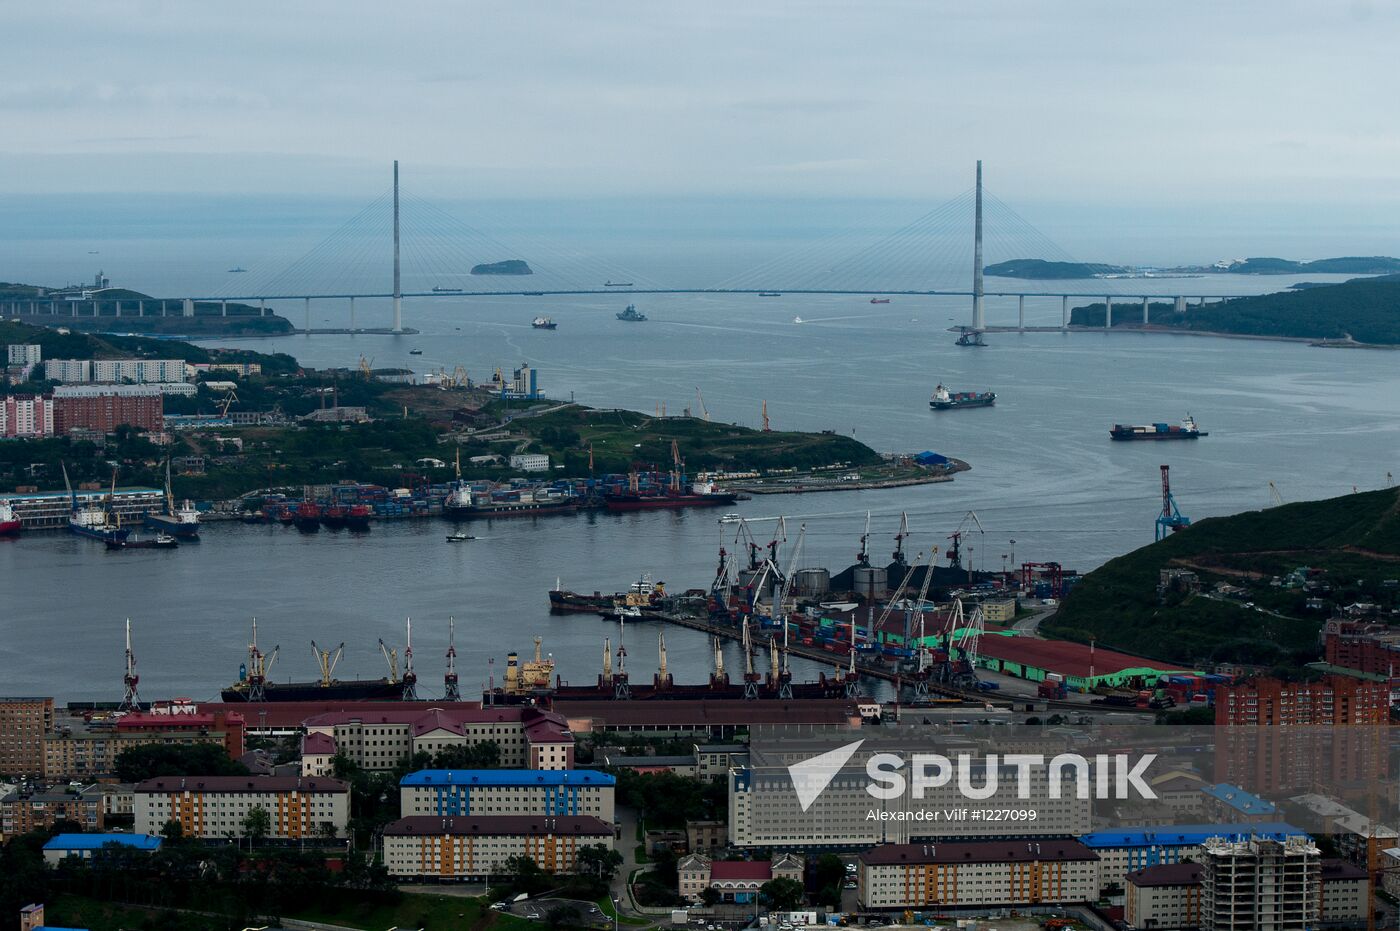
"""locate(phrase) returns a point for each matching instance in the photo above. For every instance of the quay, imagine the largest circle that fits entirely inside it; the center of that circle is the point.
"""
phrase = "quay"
(49, 510)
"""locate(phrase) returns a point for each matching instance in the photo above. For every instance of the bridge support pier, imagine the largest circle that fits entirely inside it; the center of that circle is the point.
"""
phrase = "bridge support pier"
(262, 307)
(308, 316)
(1107, 313)
(223, 308)
(398, 315)
(1064, 311)
(1144, 312)
(352, 315)
(1180, 305)
(188, 309)
(140, 308)
(1021, 308)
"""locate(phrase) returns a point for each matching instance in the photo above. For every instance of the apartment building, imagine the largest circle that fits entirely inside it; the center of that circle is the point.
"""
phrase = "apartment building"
(1344, 895)
(1132, 849)
(24, 354)
(115, 371)
(216, 806)
(89, 751)
(26, 810)
(26, 415)
(458, 792)
(106, 407)
(1260, 885)
(477, 847)
(1164, 896)
(1332, 700)
(23, 724)
(963, 873)
(528, 738)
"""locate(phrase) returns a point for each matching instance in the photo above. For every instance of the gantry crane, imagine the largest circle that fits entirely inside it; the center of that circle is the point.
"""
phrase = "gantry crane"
(131, 700)
(1171, 520)
(258, 666)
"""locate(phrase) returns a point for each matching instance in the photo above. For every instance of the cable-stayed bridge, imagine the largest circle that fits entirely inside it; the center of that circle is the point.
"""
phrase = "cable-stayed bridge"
(402, 246)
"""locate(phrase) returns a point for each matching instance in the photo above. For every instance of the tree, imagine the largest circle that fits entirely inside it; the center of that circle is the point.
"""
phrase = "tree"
(709, 896)
(257, 824)
(564, 916)
(147, 761)
(598, 861)
(783, 894)
(173, 831)
(828, 875)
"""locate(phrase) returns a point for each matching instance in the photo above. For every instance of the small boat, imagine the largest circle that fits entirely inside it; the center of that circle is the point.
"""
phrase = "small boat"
(161, 541)
(447, 290)
(879, 300)
(543, 323)
(798, 320)
(617, 284)
(415, 352)
(769, 294)
(730, 518)
(631, 314)
(459, 537)
(237, 270)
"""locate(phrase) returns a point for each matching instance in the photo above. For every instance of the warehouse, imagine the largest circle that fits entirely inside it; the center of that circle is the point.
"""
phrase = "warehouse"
(1084, 667)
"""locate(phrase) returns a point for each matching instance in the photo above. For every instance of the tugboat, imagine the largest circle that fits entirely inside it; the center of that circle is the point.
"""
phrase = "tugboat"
(730, 518)
(969, 337)
(1158, 431)
(415, 352)
(944, 400)
(334, 517)
(181, 522)
(9, 523)
(357, 518)
(308, 516)
(459, 537)
(631, 314)
(543, 323)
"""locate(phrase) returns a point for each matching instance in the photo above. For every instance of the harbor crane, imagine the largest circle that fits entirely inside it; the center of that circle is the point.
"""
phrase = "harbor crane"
(131, 700)
(921, 669)
(863, 557)
(391, 657)
(700, 402)
(900, 537)
(326, 661)
(258, 666)
(228, 401)
(663, 675)
(783, 677)
(1171, 520)
(751, 678)
(410, 678)
(898, 593)
(1275, 499)
(449, 678)
(622, 689)
(955, 551)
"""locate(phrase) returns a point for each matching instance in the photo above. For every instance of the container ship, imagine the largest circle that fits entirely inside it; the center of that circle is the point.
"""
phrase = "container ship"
(180, 522)
(1187, 430)
(9, 523)
(944, 400)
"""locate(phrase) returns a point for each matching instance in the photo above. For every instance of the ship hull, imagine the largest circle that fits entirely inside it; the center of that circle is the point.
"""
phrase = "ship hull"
(98, 533)
(565, 602)
(351, 690)
(142, 544)
(509, 510)
(173, 526)
(662, 502)
(9, 528)
(308, 524)
(1181, 435)
(954, 405)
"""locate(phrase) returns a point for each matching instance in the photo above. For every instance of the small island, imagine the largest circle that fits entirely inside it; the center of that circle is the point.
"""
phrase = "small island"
(1041, 270)
(508, 267)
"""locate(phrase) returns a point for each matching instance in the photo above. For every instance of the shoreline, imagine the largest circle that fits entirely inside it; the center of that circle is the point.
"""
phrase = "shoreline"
(1319, 342)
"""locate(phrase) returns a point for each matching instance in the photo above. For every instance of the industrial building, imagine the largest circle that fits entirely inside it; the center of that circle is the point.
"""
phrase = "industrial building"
(62, 847)
(51, 509)
(216, 806)
(1128, 850)
(991, 873)
(1084, 667)
(23, 724)
(476, 847)
(700, 718)
(457, 792)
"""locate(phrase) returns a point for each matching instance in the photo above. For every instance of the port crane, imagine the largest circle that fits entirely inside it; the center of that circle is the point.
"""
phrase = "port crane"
(783, 678)
(900, 537)
(228, 401)
(863, 557)
(921, 669)
(1171, 520)
(449, 678)
(898, 593)
(955, 551)
(700, 401)
(750, 677)
(258, 665)
(410, 678)
(326, 661)
(131, 701)
(1275, 499)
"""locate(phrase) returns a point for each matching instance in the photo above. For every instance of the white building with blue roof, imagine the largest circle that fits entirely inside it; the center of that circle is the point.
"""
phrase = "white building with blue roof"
(1125, 850)
(456, 792)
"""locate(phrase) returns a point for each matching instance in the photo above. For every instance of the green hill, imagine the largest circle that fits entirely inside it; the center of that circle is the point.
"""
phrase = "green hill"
(1041, 270)
(1366, 310)
(1342, 265)
(1352, 543)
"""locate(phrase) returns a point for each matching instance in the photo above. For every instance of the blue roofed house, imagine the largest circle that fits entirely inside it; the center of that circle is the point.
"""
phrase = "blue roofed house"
(82, 846)
(1231, 803)
(454, 792)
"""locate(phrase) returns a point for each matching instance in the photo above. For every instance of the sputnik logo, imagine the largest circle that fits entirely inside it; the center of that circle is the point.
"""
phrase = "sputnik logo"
(811, 776)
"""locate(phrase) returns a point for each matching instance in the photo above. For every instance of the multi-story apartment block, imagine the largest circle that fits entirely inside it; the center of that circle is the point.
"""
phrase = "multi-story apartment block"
(1332, 700)
(115, 371)
(26, 415)
(1164, 896)
(528, 738)
(24, 354)
(23, 724)
(106, 407)
(1260, 885)
(961, 873)
(216, 806)
(1345, 895)
(90, 751)
(24, 810)
(1131, 849)
(455, 792)
(478, 846)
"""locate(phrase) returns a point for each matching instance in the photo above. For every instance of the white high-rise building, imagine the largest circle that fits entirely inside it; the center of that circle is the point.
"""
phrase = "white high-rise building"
(25, 354)
(1260, 885)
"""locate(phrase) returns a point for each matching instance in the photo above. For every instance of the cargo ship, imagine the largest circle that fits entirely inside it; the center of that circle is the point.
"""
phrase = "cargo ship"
(161, 541)
(543, 323)
(631, 314)
(879, 300)
(181, 522)
(701, 495)
(97, 523)
(9, 523)
(944, 400)
(1187, 430)
(617, 284)
(336, 690)
(525, 507)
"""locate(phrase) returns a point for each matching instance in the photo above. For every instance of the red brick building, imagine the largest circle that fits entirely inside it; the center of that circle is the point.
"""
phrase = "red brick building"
(23, 724)
(105, 407)
(229, 723)
(1363, 646)
(1333, 700)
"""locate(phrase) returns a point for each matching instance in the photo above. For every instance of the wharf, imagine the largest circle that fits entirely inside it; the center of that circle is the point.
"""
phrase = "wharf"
(816, 484)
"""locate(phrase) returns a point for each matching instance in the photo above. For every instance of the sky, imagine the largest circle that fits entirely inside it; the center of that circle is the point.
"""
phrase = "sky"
(1140, 109)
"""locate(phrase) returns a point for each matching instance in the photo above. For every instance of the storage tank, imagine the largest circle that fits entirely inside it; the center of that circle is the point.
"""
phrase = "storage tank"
(812, 581)
(871, 582)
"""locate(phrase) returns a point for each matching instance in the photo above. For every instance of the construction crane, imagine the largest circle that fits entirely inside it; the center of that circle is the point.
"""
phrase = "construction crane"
(326, 661)
(366, 368)
(131, 701)
(700, 401)
(258, 665)
(391, 657)
(1171, 520)
(449, 678)
(1275, 499)
(766, 427)
(863, 557)
(229, 400)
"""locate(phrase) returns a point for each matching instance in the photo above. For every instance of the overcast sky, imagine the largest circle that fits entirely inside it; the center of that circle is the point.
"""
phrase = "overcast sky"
(1095, 102)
